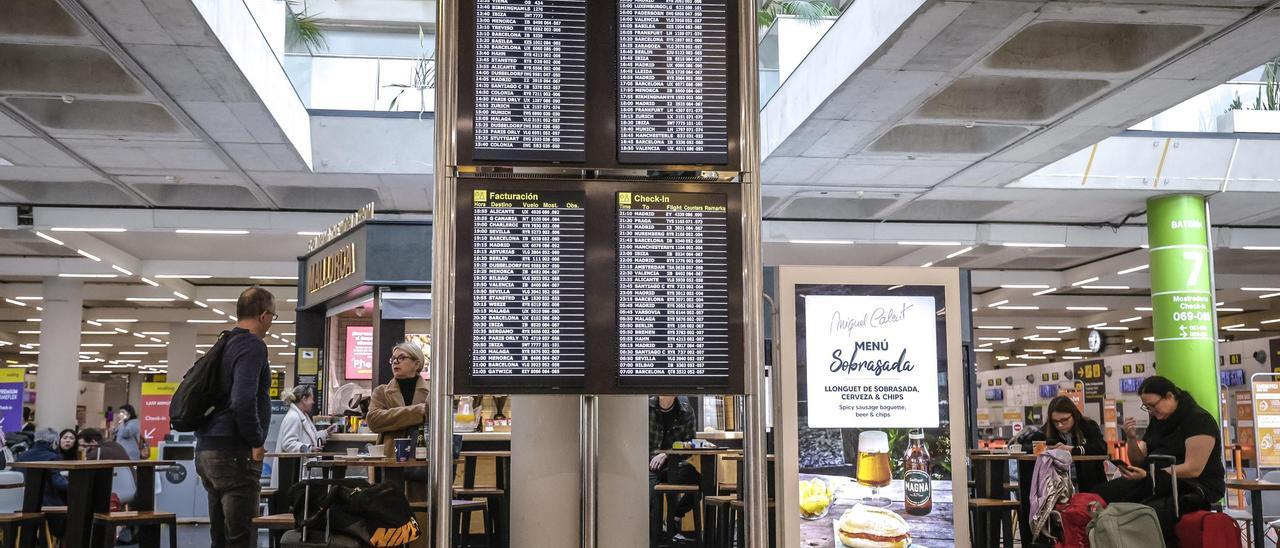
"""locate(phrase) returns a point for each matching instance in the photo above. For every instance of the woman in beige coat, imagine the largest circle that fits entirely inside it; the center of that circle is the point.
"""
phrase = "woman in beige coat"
(398, 409)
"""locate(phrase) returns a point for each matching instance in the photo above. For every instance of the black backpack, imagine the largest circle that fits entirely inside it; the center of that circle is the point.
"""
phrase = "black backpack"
(201, 393)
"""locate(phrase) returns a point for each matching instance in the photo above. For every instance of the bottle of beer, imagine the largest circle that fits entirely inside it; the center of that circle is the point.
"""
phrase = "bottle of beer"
(917, 487)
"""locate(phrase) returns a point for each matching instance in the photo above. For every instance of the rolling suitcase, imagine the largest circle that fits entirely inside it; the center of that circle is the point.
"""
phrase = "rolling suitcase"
(1203, 529)
(1076, 516)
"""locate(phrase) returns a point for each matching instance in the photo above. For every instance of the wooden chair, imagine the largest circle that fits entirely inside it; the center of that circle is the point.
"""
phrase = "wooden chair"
(106, 523)
(459, 510)
(672, 493)
(716, 512)
(14, 525)
(737, 524)
(986, 513)
(276, 525)
(492, 497)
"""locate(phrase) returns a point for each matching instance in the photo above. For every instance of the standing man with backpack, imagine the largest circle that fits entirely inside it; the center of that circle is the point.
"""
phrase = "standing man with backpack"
(230, 443)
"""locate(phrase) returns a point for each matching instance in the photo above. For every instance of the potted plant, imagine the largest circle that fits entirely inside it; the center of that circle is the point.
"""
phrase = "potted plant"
(1263, 114)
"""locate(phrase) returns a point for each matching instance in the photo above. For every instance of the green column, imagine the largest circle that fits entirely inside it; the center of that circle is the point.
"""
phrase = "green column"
(1182, 306)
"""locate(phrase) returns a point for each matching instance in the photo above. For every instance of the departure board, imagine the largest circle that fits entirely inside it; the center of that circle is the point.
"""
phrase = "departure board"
(530, 78)
(673, 81)
(528, 287)
(673, 288)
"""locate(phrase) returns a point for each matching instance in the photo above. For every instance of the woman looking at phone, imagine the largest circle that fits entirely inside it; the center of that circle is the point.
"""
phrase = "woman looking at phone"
(1179, 428)
(1068, 429)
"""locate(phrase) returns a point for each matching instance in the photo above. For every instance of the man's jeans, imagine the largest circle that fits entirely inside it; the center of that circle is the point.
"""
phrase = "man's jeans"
(676, 471)
(232, 483)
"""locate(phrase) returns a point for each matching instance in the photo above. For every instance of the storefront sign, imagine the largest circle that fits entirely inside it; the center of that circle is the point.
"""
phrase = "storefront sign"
(359, 352)
(872, 361)
(332, 268)
(1182, 294)
(11, 392)
(155, 412)
(347, 223)
(1266, 412)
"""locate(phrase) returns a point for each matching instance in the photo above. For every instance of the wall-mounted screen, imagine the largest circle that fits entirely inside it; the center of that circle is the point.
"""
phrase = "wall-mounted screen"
(1129, 385)
(359, 352)
(995, 394)
(1231, 377)
(1048, 390)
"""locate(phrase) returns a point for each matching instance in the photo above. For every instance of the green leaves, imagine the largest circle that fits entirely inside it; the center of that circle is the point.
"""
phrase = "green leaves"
(301, 28)
(807, 10)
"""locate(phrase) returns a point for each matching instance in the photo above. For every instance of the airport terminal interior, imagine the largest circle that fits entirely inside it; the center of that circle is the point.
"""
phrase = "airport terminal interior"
(640, 273)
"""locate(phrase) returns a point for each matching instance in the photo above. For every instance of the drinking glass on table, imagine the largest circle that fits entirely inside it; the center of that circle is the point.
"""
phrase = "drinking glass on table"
(873, 466)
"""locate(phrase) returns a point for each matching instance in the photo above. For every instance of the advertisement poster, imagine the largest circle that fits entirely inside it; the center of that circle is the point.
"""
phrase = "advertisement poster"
(872, 361)
(11, 392)
(155, 412)
(874, 428)
(1266, 420)
(359, 352)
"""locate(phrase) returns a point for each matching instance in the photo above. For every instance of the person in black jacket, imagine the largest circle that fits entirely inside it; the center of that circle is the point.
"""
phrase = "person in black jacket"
(229, 448)
(44, 449)
(1067, 428)
(671, 420)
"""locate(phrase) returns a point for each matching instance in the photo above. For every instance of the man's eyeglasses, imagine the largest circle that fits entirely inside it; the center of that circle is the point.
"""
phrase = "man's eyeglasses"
(398, 359)
(274, 316)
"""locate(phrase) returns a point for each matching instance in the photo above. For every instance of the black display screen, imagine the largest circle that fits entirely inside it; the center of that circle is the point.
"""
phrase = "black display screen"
(657, 88)
(673, 286)
(673, 81)
(598, 287)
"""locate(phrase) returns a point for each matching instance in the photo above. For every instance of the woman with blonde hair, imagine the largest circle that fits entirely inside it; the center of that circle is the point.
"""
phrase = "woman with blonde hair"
(399, 408)
(297, 433)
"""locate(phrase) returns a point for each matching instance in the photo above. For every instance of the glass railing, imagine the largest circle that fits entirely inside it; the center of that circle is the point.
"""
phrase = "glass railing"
(783, 46)
(345, 82)
(1240, 106)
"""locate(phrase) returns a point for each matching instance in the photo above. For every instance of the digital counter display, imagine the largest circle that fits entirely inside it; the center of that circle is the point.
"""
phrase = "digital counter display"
(673, 287)
(530, 80)
(528, 287)
(673, 81)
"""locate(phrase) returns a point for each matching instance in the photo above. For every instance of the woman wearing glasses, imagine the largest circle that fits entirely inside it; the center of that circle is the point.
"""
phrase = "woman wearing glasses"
(398, 409)
(1181, 429)
(1068, 429)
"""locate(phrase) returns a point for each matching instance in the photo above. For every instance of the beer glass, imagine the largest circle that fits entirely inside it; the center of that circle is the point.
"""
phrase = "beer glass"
(873, 465)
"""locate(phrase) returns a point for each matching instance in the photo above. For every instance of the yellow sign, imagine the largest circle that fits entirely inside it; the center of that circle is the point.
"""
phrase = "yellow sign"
(624, 198)
(308, 361)
(332, 268)
(480, 196)
(159, 388)
(12, 375)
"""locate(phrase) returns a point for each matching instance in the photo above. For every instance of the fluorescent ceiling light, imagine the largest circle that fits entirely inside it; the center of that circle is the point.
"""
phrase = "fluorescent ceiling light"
(273, 277)
(180, 295)
(277, 346)
(96, 345)
(995, 327)
(93, 323)
(1234, 326)
(51, 239)
(121, 330)
(285, 353)
(154, 332)
(149, 299)
(1053, 327)
(84, 229)
(952, 244)
(100, 372)
(150, 282)
(1045, 292)
(1088, 308)
(1265, 322)
(983, 350)
(30, 298)
(1261, 247)
(1015, 365)
(206, 321)
(1229, 309)
(150, 345)
(1046, 339)
(1142, 308)
(15, 302)
(1085, 281)
(1002, 358)
(140, 335)
(1097, 325)
(117, 366)
(822, 242)
(1008, 307)
(89, 353)
(117, 320)
(218, 312)
(153, 339)
(927, 265)
(209, 231)
(29, 352)
(133, 353)
(291, 300)
(1106, 287)
(998, 303)
(1260, 289)
(289, 334)
(309, 233)
(1112, 328)
(990, 338)
(1268, 295)
(1134, 269)
(959, 253)
(1023, 286)
(1244, 329)
(1032, 244)
(183, 276)
(117, 268)
(87, 276)
(1133, 319)
(200, 304)
(1073, 357)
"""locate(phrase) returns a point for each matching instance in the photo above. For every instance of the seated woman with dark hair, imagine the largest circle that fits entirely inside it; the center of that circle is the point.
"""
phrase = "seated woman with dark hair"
(1181, 429)
(1067, 428)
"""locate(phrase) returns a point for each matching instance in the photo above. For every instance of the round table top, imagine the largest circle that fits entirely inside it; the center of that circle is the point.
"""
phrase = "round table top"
(705, 451)
(1252, 485)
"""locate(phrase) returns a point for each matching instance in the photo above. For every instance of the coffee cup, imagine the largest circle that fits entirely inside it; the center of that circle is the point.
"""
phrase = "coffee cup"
(353, 451)
(1038, 447)
(377, 451)
(404, 449)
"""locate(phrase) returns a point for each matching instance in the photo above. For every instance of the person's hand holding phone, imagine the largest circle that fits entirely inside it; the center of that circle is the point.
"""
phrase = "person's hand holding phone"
(1131, 428)
(1129, 472)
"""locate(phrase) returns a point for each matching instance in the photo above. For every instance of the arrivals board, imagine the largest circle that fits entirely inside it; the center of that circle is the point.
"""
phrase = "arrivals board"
(662, 77)
(530, 79)
(528, 273)
(673, 286)
(598, 287)
(673, 81)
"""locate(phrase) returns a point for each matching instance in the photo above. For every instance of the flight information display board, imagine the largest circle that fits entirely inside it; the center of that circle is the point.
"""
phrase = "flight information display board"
(598, 287)
(530, 78)
(527, 270)
(673, 287)
(673, 82)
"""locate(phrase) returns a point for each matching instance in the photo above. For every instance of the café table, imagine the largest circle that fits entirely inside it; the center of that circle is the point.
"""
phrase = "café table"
(770, 472)
(990, 483)
(707, 465)
(1255, 489)
(89, 492)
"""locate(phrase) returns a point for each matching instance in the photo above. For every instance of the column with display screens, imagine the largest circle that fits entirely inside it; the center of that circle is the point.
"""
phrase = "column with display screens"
(673, 289)
(673, 81)
(528, 288)
(530, 80)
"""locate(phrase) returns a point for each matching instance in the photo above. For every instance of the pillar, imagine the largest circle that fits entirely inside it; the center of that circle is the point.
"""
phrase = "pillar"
(58, 378)
(181, 351)
(1182, 298)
